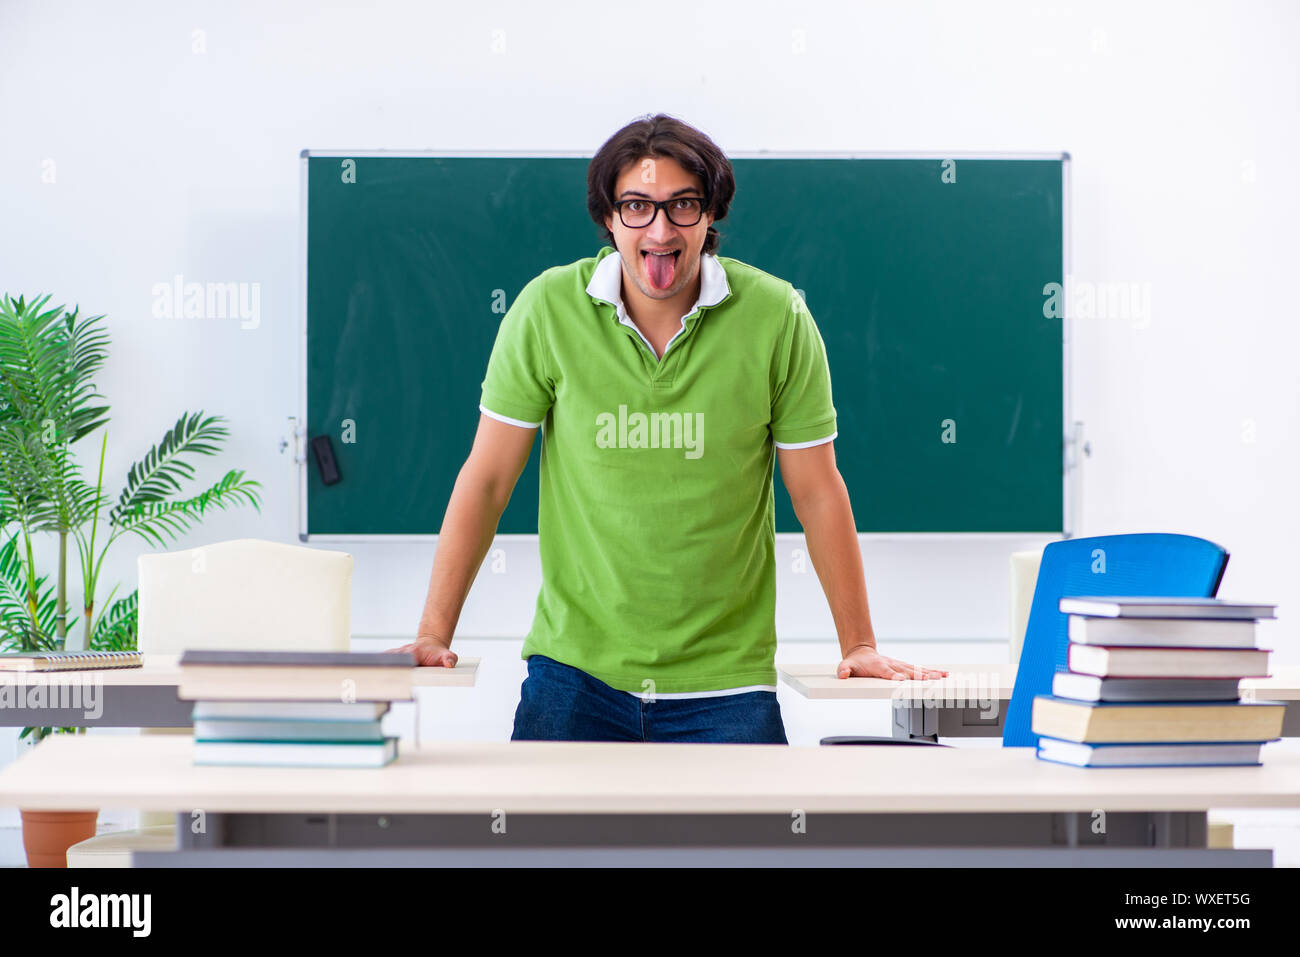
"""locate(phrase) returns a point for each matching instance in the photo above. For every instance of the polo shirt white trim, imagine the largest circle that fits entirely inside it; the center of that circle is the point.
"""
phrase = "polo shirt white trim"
(805, 445)
(679, 695)
(607, 285)
(506, 419)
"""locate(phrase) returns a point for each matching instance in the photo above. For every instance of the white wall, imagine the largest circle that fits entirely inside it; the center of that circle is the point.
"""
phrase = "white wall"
(1180, 119)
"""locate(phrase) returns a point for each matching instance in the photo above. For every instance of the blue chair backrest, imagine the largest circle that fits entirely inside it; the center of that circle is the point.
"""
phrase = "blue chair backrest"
(1134, 565)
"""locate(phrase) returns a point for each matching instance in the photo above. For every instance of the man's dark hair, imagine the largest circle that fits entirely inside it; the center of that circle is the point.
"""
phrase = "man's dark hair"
(660, 136)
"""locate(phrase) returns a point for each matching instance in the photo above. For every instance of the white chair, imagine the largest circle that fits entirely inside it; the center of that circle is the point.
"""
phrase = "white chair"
(1024, 578)
(245, 594)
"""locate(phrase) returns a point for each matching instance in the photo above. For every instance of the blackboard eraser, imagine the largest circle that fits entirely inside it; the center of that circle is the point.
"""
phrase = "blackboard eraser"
(325, 461)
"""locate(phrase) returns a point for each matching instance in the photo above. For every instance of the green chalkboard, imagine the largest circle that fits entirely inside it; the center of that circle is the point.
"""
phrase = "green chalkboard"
(925, 276)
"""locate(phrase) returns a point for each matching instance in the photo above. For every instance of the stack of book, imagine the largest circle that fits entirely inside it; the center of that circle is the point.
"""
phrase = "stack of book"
(1154, 682)
(294, 708)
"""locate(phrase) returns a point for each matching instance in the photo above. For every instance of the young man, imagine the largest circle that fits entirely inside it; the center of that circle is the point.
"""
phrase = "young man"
(665, 381)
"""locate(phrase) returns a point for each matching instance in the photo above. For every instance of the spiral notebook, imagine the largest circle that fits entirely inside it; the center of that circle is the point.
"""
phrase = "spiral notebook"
(69, 660)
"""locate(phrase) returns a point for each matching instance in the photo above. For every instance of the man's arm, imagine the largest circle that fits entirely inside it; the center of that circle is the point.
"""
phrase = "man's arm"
(821, 503)
(480, 495)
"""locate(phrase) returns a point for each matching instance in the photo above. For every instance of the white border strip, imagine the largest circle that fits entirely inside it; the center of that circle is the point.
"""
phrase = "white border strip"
(1071, 485)
(805, 445)
(1029, 537)
(305, 464)
(685, 695)
(736, 154)
(507, 420)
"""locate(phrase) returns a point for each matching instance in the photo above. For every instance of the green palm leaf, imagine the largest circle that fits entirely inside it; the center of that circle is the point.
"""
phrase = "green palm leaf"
(17, 630)
(48, 358)
(43, 483)
(117, 630)
(157, 521)
(160, 473)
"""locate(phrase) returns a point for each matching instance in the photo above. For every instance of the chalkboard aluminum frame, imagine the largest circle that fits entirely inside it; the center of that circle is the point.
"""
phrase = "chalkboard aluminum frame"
(1070, 431)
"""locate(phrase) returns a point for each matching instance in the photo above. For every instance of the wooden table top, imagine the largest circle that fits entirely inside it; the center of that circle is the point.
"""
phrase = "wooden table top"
(165, 670)
(993, 678)
(155, 772)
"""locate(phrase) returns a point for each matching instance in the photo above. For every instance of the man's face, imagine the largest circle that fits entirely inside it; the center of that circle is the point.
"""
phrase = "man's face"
(661, 277)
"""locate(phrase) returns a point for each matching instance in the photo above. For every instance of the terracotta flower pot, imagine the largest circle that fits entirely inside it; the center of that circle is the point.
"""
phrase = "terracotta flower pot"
(47, 835)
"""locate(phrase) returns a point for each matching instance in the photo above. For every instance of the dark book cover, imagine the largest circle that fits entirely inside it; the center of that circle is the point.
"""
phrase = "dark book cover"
(301, 659)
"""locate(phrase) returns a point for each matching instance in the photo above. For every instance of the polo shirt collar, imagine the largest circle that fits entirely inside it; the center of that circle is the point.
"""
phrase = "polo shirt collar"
(607, 283)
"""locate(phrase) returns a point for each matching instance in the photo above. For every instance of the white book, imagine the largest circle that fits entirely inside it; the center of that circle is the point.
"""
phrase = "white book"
(1168, 662)
(286, 683)
(1146, 755)
(291, 710)
(1153, 607)
(240, 729)
(1169, 632)
(1067, 684)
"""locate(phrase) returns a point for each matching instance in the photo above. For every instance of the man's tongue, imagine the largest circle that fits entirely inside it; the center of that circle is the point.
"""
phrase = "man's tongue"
(660, 269)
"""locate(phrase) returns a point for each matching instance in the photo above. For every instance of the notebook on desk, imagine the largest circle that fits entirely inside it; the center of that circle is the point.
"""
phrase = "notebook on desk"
(69, 660)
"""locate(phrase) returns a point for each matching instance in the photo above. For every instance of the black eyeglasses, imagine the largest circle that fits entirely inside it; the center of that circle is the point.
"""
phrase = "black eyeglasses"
(640, 213)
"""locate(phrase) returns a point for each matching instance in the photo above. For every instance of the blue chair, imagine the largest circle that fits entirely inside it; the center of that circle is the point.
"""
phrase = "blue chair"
(1130, 565)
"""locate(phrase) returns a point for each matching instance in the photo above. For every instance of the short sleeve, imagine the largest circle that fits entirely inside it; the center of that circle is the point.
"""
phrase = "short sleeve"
(519, 387)
(802, 412)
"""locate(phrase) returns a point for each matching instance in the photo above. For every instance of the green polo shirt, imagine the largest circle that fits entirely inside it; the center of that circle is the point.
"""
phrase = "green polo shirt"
(655, 511)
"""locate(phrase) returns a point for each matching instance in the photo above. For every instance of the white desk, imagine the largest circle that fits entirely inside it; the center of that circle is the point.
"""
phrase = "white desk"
(441, 801)
(983, 692)
(145, 697)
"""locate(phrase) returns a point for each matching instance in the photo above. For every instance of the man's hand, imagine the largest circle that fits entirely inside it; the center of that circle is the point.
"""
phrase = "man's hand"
(865, 662)
(429, 653)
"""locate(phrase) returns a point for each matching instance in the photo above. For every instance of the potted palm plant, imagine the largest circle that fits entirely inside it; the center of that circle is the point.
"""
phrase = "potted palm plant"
(48, 403)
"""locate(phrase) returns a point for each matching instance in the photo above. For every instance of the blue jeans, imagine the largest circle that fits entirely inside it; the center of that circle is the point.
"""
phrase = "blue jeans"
(561, 703)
